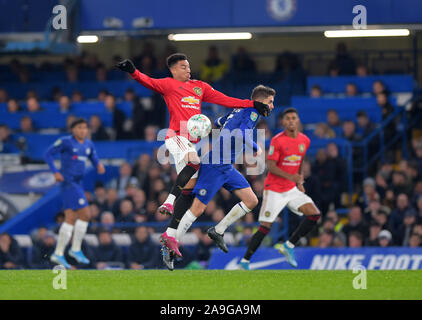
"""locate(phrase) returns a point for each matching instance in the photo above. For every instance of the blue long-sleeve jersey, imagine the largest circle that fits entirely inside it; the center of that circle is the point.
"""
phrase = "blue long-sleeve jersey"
(73, 156)
(235, 136)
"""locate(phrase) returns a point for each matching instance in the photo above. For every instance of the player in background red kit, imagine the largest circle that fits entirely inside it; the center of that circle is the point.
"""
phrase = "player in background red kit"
(284, 187)
(183, 97)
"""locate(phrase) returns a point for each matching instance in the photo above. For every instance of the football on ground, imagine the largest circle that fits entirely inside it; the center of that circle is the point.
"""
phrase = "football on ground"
(211, 284)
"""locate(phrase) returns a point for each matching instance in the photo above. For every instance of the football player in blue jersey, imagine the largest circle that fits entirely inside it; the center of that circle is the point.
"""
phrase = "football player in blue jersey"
(236, 131)
(74, 150)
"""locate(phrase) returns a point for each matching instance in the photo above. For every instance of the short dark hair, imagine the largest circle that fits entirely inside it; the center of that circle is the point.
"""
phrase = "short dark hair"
(78, 121)
(175, 58)
(289, 110)
(357, 235)
(362, 113)
(262, 91)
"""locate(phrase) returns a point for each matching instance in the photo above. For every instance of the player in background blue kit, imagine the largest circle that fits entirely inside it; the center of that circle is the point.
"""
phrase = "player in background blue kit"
(74, 150)
(221, 173)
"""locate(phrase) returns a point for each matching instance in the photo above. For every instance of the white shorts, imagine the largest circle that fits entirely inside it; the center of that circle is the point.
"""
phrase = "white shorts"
(274, 202)
(179, 147)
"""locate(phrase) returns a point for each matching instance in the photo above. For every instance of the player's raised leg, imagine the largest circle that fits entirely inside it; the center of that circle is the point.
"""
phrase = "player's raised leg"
(312, 215)
(272, 204)
(247, 203)
(195, 211)
(81, 225)
(168, 238)
(187, 165)
(65, 233)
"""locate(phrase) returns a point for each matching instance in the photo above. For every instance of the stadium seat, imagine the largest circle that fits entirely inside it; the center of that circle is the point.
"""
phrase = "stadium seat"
(394, 83)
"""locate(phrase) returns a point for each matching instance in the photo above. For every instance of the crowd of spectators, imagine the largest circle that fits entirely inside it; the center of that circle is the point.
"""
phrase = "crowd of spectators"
(387, 211)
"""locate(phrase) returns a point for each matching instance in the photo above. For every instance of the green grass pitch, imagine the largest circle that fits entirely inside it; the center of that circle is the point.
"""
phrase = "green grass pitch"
(210, 284)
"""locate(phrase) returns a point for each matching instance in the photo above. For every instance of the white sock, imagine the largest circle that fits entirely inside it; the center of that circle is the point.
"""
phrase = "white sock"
(79, 233)
(171, 232)
(65, 233)
(244, 260)
(170, 199)
(237, 212)
(289, 244)
(185, 224)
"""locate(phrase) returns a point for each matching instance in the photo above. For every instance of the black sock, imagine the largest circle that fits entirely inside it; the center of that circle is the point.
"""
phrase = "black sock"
(183, 178)
(256, 241)
(304, 228)
(183, 203)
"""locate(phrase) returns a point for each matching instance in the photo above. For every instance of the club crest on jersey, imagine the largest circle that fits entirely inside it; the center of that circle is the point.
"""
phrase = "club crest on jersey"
(302, 147)
(88, 151)
(202, 192)
(271, 150)
(267, 213)
(254, 116)
(198, 91)
(58, 142)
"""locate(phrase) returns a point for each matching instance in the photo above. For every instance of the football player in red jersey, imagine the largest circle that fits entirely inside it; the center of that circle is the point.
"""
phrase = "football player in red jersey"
(284, 187)
(183, 97)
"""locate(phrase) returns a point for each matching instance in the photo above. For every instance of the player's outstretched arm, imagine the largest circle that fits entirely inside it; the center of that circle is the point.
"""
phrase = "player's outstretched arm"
(247, 133)
(157, 85)
(93, 157)
(49, 158)
(214, 96)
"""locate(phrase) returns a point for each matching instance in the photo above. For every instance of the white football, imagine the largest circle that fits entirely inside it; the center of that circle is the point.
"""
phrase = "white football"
(199, 126)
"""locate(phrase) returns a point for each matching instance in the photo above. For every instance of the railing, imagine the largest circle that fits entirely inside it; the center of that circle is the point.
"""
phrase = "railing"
(367, 161)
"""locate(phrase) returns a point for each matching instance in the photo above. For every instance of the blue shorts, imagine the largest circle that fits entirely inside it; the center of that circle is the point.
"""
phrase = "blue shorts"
(73, 195)
(212, 177)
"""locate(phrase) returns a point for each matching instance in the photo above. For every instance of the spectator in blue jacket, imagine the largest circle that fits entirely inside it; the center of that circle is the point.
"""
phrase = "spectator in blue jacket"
(10, 254)
(107, 252)
(7, 143)
(42, 250)
(143, 252)
(402, 209)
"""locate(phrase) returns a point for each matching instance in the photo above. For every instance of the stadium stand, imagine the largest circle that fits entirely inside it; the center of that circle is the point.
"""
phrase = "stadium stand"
(377, 165)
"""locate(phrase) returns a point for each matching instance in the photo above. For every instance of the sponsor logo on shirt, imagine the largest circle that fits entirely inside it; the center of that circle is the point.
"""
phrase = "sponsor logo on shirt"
(80, 158)
(190, 107)
(293, 160)
(190, 100)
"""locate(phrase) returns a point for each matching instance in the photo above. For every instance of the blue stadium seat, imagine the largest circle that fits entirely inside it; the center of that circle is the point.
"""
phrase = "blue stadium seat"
(394, 83)
(89, 89)
(314, 110)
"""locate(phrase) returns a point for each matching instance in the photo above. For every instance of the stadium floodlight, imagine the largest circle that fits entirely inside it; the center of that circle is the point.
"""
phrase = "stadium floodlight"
(210, 36)
(87, 39)
(367, 33)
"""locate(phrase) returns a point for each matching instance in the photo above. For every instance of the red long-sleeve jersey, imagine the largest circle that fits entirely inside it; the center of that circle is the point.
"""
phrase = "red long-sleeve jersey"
(184, 99)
